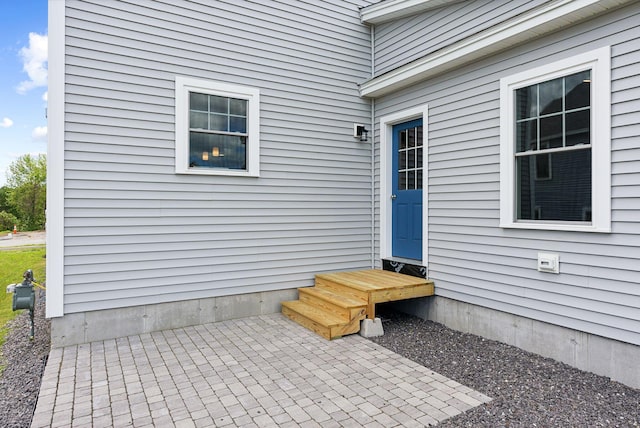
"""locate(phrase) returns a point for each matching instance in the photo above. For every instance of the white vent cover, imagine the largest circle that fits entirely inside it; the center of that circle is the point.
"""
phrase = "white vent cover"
(548, 262)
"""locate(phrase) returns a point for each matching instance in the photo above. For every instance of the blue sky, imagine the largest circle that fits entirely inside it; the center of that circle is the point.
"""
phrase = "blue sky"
(23, 80)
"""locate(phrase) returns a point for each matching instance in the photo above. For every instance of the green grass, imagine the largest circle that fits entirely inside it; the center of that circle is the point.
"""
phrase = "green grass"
(13, 263)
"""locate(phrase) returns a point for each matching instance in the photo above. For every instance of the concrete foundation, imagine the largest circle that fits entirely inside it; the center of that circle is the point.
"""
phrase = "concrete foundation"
(73, 329)
(371, 327)
(606, 357)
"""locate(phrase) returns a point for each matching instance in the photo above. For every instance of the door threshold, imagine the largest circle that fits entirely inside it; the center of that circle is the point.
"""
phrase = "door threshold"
(404, 260)
(405, 266)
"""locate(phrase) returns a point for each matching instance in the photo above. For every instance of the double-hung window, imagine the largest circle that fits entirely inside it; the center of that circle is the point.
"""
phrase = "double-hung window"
(217, 128)
(555, 145)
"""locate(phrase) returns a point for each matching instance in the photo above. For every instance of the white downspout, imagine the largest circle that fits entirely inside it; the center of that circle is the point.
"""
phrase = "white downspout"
(373, 152)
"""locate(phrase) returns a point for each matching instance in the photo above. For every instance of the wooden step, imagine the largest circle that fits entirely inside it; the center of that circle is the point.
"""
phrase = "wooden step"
(340, 300)
(337, 286)
(319, 321)
(371, 280)
(344, 307)
(375, 286)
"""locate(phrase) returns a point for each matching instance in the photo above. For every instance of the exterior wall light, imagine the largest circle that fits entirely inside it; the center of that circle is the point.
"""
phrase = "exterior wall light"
(360, 132)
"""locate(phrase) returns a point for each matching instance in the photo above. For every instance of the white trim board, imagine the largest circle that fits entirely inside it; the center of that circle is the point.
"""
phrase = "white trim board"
(535, 23)
(386, 145)
(55, 161)
(389, 10)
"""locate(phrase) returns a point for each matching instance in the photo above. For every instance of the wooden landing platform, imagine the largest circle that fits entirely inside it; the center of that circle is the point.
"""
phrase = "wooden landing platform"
(350, 297)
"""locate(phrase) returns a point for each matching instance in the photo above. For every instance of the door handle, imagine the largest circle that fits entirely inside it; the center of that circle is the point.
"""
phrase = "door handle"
(393, 196)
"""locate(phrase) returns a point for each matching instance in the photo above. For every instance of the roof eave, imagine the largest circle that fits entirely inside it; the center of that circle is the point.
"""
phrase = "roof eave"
(535, 23)
(390, 10)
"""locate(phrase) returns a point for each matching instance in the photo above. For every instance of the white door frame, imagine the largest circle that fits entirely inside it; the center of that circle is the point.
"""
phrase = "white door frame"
(386, 157)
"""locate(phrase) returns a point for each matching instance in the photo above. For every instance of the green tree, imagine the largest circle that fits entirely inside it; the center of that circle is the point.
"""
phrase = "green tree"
(4, 201)
(27, 190)
(7, 221)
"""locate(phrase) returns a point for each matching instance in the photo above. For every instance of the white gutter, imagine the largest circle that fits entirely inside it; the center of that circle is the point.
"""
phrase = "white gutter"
(535, 23)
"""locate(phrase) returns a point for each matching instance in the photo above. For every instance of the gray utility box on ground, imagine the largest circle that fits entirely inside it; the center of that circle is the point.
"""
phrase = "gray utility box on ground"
(24, 296)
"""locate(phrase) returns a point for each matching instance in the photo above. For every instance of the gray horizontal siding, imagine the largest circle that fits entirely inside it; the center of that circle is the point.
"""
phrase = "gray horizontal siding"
(473, 260)
(407, 39)
(135, 232)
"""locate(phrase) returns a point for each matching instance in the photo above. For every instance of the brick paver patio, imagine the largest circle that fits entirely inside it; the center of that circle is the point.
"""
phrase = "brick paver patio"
(252, 372)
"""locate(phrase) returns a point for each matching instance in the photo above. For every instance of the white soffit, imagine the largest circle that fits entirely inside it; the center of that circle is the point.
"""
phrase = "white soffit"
(535, 23)
(388, 10)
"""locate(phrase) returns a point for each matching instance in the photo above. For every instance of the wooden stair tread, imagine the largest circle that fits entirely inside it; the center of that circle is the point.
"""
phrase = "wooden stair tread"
(316, 315)
(340, 300)
(368, 280)
(333, 297)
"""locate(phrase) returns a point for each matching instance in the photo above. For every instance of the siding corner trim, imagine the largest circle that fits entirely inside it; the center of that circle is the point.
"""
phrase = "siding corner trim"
(55, 161)
(535, 23)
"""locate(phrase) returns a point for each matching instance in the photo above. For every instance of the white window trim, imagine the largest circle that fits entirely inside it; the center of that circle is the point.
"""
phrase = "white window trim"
(599, 62)
(184, 85)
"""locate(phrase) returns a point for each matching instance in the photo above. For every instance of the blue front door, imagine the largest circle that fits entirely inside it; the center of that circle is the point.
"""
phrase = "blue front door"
(406, 205)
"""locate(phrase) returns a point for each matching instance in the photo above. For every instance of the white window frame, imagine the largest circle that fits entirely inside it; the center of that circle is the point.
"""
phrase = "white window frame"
(599, 62)
(185, 85)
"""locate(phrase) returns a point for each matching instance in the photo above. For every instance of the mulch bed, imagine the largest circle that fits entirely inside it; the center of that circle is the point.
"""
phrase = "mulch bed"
(23, 362)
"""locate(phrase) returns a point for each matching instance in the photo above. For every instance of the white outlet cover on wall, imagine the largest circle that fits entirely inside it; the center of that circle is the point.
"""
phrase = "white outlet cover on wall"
(549, 262)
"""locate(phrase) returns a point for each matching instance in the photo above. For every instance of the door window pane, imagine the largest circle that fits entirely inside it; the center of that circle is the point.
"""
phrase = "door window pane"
(411, 137)
(402, 180)
(410, 158)
(402, 160)
(403, 140)
(411, 180)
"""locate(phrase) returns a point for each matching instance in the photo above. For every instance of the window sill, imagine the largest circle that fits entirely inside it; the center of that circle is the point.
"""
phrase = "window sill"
(556, 227)
(219, 172)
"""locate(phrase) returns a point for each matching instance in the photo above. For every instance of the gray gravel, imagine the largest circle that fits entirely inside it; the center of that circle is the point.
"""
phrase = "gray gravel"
(24, 362)
(527, 390)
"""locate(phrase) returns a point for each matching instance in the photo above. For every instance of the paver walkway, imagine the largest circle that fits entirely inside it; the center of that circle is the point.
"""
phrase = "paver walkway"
(252, 372)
